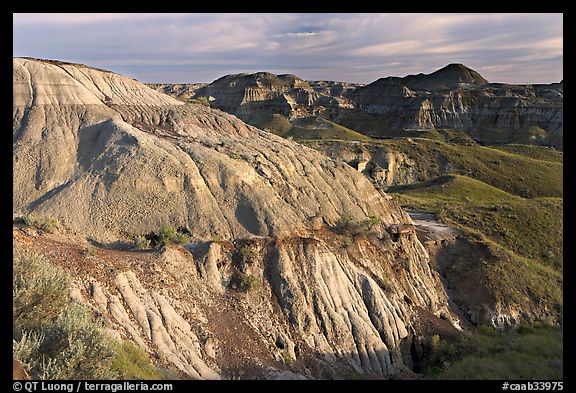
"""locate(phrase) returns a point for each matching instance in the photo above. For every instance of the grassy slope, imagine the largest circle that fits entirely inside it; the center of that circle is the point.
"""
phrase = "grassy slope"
(524, 236)
(531, 228)
(527, 353)
(281, 126)
(535, 152)
(514, 173)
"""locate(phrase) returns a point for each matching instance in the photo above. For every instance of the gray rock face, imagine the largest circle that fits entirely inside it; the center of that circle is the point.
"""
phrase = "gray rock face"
(454, 97)
(184, 92)
(112, 158)
(107, 155)
(265, 94)
(467, 107)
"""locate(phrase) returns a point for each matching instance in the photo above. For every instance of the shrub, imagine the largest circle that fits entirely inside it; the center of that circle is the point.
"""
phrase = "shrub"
(166, 236)
(58, 338)
(89, 251)
(348, 225)
(287, 359)
(435, 343)
(27, 349)
(39, 292)
(248, 252)
(181, 238)
(235, 156)
(42, 224)
(248, 282)
(76, 347)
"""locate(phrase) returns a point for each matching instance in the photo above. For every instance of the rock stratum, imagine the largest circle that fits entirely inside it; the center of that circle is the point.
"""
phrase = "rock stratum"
(111, 158)
(454, 97)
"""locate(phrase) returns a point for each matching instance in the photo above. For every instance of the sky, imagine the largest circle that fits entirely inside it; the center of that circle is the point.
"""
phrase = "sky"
(360, 48)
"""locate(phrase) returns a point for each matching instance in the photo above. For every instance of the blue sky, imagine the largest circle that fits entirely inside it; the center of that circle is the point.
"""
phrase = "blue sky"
(180, 48)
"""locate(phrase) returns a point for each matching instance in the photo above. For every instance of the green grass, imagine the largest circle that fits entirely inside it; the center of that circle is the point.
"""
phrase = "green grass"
(532, 228)
(529, 353)
(308, 128)
(60, 338)
(526, 135)
(513, 173)
(535, 152)
(523, 238)
(131, 362)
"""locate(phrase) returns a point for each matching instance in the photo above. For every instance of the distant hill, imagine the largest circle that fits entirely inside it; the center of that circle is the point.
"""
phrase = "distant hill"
(454, 97)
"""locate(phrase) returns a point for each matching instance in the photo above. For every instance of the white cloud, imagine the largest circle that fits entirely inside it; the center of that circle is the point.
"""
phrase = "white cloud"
(367, 46)
(387, 49)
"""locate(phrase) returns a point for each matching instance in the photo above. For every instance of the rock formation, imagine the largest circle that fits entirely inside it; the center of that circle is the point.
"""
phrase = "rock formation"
(111, 158)
(454, 97)
(457, 97)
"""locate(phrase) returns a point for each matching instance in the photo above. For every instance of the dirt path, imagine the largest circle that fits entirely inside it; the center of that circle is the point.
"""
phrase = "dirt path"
(429, 228)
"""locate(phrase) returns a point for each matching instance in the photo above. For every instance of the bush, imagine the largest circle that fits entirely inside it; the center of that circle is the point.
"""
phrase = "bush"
(39, 292)
(76, 347)
(248, 282)
(42, 224)
(348, 225)
(58, 338)
(248, 252)
(166, 236)
(27, 349)
(89, 251)
(235, 156)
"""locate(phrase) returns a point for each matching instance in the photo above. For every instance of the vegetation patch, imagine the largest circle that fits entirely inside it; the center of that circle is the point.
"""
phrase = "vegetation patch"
(529, 353)
(309, 128)
(140, 242)
(248, 282)
(532, 228)
(42, 224)
(248, 252)
(55, 337)
(200, 100)
(509, 171)
(133, 363)
(535, 152)
(89, 251)
(167, 235)
(347, 225)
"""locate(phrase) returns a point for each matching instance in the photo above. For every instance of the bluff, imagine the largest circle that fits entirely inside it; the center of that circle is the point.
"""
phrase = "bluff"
(454, 97)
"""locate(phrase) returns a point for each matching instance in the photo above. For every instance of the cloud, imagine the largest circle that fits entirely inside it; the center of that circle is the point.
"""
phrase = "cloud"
(387, 49)
(348, 47)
